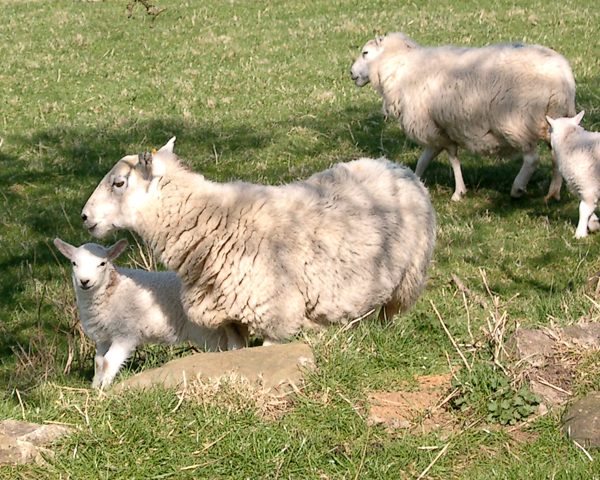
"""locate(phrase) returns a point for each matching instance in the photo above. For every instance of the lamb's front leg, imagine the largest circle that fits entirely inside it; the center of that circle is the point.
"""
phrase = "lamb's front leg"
(101, 350)
(586, 210)
(114, 358)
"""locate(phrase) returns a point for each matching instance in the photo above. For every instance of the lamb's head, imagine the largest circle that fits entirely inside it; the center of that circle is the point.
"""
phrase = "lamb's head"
(561, 128)
(91, 262)
(394, 42)
(124, 191)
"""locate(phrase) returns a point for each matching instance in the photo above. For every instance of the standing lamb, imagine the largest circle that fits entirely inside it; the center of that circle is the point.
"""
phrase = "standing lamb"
(578, 153)
(272, 259)
(489, 101)
(122, 308)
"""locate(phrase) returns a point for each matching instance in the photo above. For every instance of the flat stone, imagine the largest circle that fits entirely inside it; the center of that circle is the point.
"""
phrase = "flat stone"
(531, 346)
(23, 442)
(276, 368)
(582, 421)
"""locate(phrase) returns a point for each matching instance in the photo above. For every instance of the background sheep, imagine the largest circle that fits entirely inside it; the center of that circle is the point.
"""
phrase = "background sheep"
(578, 153)
(489, 101)
(276, 258)
(122, 308)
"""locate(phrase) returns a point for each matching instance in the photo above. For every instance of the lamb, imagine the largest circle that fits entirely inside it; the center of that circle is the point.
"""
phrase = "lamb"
(489, 101)
(578, 153)
(121, 308)
(269, 260)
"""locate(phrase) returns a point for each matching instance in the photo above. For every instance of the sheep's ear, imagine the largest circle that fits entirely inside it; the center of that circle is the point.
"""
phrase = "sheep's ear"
(63, 247)
(117, 249)
(379, 39)
(577, 118)
(168, 147)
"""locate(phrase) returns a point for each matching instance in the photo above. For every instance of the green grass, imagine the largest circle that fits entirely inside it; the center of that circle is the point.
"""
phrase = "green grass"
(261, 92)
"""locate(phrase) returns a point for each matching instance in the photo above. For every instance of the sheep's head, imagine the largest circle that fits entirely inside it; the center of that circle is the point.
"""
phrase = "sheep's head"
(361, 69)
(91, 262)
(118, 198)
(397, 43)
(560, 128)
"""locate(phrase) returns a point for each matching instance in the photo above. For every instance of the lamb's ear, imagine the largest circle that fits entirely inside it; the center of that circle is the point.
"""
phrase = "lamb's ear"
(117, 249)
(379, 39)
(550, 121)
(63, 247)
(577, 118)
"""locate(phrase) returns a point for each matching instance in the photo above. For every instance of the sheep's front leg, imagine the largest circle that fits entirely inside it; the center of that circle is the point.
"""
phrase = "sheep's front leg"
(425, 159)
(556, 183)
(102, 348)
(459, 184)
(530, 161)
(586, 210)
(114, 358)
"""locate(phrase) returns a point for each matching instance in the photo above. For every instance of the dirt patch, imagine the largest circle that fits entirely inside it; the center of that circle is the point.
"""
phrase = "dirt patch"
(420, 410)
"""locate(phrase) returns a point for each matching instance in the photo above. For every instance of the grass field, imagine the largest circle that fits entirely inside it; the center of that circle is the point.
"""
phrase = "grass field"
(262, 92)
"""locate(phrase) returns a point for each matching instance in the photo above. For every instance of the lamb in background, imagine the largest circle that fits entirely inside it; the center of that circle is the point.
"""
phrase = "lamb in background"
(122, 308)
(489, 101)
(272, 259)
(578, 153)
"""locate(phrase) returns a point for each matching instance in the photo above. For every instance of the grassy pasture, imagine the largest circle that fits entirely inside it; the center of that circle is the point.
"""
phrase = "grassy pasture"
(262, 92)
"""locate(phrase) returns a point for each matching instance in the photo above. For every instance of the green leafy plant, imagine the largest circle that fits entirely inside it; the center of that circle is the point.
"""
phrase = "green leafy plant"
(488, 391)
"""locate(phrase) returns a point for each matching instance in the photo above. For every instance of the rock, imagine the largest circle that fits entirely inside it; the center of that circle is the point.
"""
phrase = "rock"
(585, 335)
(23, 442)
(274, 368)
(582, 421)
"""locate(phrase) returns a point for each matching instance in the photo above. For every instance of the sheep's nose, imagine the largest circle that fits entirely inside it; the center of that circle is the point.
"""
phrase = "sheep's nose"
(84, 217)
(85, 282)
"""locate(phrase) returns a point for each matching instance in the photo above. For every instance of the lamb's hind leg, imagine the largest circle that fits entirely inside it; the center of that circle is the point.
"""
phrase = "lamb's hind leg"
(530, 160)
(586, 210)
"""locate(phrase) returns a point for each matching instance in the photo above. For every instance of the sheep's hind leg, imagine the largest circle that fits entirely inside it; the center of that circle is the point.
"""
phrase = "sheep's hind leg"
(556, 183)
(593, 223)
(530, 160)
(459, 184)
(425, 159)
(586, 210)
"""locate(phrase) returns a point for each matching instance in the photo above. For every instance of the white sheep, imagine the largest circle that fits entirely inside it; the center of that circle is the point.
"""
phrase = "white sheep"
(489, 101)
(578, 153)
(122, 308)
(272, 259)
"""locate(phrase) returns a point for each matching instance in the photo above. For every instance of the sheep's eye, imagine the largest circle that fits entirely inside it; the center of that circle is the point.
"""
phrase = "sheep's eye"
(119, 183)
(74, 264)
(102, 264)
(365, 53)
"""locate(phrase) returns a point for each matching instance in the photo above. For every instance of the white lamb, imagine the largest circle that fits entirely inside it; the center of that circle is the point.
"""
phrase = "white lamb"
(489, 101)
(272, 259)
(578, 153)
(122, 308)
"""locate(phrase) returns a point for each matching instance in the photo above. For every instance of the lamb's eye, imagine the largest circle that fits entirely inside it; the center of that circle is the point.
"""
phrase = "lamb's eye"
(118, 183)
(74, 264)
(102, 264)
(365, 53)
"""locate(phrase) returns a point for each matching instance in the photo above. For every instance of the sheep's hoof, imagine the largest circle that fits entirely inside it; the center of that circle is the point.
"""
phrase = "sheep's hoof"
(580, 235)
(517, 192)
(550, 196)
(457, 197)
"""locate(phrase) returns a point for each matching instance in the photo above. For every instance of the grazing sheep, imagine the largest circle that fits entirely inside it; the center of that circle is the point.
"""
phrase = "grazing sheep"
(272, 259)
(122, 308)
(489, 101)
(578, 153)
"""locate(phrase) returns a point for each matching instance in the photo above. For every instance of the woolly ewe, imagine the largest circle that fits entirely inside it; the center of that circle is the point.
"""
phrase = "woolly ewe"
(122, 308)
(272, 259)
(578, 153)
(489, 101)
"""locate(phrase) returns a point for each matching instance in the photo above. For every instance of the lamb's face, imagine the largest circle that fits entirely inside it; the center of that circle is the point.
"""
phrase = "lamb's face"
(90, 262)
(561, 128)
(360, 71)
(113, 204)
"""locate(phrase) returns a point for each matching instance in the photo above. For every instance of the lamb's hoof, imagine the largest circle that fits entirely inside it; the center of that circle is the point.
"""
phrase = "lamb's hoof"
(517, 192)
(580, 235)
(552, 196)
(457, 196)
